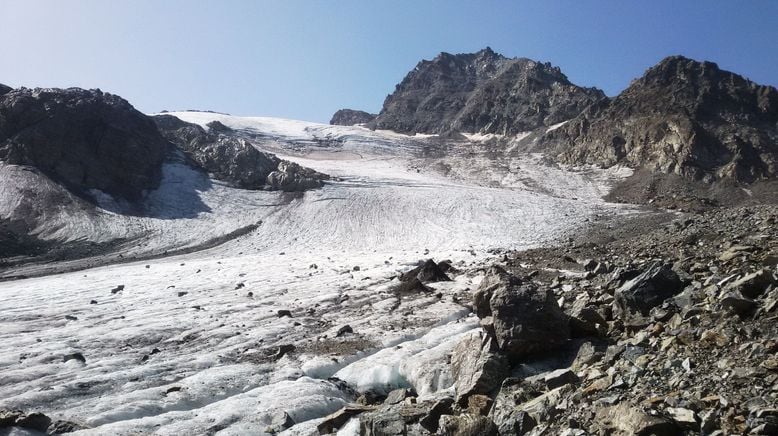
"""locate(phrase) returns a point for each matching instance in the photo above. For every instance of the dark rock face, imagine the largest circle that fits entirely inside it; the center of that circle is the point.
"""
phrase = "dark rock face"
(235, 160)
(526, 319)
(482, 92)
(83, 139)
(682, 117)
(350, 117)
(5, 89)
(653, 286)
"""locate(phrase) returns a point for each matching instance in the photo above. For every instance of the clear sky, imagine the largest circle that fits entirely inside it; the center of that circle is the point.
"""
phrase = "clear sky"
(306, 59)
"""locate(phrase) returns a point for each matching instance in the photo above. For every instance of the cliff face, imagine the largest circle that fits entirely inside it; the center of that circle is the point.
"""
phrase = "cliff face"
(84, 139)
(482, 92)
(682, 117)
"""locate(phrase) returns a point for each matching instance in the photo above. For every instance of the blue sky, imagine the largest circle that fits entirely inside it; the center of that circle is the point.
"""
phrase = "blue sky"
(305, 59)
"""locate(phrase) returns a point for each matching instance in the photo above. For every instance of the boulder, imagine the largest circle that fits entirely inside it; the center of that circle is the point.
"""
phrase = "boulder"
(34, 421)
(476, 367)
(431, 420)
(636, 297)
(505, 412)
(624, 420)
(426, 273)
(585, 320)
(336, 420)
(526, 319)
(466, 425)
(394, 420)
(754, 284)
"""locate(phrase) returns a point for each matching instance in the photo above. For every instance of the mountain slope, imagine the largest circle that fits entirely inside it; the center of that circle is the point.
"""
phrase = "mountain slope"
(482, 92)
(682, 117)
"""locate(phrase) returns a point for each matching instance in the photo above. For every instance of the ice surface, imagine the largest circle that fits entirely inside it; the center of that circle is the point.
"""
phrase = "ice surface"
(185, 349)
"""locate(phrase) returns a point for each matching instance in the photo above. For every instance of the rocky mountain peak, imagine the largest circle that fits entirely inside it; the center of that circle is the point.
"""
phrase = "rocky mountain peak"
(682, 117)
(482, 92)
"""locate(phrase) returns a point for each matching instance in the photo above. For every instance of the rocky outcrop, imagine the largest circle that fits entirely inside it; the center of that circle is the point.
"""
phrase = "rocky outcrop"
(682, 117)
(4, 89)
(235, 160)
(350, 117)
(482, 92)
(82, 139)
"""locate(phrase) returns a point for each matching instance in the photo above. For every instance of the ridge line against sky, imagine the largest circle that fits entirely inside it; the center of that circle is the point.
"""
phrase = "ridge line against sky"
(306, 59)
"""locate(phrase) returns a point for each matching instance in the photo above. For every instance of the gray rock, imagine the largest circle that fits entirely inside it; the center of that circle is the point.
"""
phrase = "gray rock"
(624, 420)
(336, 420)
(560, 377)
(431, 420)
(9, 417)
(466, 425)
(476, 367)
(350, 117)
(505, 412)
(34, 421)
(395, 420)
(654, 285)
(735, 302)
(62, 427)
(428, 272)
(585, 320)
(527, 319)
(399, 395)
(482, 92)
(82, 139)
(754, 284)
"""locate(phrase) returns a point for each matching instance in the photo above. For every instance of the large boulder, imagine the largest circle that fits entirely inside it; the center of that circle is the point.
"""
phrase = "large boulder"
(636, 297)
(526, 319)
(476, 367)
(623, 420)
(427, 272)
(82, 139)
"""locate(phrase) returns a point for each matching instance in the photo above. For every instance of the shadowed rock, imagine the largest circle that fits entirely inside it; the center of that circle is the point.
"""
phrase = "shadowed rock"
(82, 139)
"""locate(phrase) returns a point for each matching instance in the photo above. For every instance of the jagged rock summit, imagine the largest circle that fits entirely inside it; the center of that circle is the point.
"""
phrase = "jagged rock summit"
(482, 92)
(682, 117)
(351, 117)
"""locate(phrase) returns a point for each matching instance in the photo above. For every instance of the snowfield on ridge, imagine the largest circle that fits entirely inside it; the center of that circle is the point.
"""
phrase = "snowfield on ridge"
(190, 343)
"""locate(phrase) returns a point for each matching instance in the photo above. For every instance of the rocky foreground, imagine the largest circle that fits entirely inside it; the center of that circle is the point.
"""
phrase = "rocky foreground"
(667, 331)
